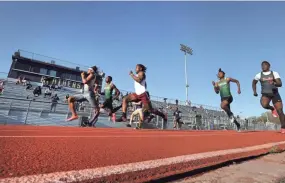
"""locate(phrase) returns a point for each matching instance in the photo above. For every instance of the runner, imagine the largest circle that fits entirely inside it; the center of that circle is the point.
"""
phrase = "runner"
(89, 88)
(270, 81)
(223, 87)
(138, 112)
(139, 95)
(108, 103)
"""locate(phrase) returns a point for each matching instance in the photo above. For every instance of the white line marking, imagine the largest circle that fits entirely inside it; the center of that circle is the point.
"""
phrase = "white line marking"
(89, 174)
(115, 136)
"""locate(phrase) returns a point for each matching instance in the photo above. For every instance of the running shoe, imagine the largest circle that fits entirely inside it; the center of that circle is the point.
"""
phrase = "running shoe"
(128, 125)
(274, 113)
(283, 130)
(121, 119)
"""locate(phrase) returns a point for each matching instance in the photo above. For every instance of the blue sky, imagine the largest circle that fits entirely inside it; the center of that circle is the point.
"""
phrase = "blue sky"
(235, 36)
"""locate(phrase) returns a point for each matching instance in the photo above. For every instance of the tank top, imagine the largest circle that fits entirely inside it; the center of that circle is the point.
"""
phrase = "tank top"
(140, 88)
(267, 84)
(89, 86)
(224, 86)
(108, 90)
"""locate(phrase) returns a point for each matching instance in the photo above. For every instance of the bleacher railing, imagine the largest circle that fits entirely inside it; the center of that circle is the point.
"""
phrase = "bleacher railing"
(205, 123)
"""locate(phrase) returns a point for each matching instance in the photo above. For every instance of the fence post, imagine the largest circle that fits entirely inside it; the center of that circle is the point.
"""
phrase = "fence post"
(28, 109)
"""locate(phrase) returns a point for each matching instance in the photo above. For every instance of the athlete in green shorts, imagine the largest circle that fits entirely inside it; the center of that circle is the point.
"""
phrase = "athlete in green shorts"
(223, 87)
(108, 93)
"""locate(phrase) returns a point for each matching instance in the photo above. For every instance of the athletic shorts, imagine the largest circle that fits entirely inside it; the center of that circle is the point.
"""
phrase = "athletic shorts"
(142, 97)
(108, 103)
(229, 99)
(178, 120)
(275, 97)
(87, 96)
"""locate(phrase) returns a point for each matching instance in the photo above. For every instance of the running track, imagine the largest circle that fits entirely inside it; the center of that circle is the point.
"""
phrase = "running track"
(68, 154)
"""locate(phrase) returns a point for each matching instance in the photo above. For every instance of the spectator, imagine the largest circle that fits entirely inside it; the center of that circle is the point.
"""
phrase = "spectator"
(47, 92)
(246, 124)
(29, 85)
(54, 101)
(24, 81)
(198, 121)
(53, 87)
(37, 91)
(177, 118)
(19, 81)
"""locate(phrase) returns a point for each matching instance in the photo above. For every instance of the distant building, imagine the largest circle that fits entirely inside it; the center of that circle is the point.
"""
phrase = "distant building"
(37, 71)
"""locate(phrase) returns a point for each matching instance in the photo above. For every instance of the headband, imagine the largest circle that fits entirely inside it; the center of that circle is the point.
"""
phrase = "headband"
(90, 69)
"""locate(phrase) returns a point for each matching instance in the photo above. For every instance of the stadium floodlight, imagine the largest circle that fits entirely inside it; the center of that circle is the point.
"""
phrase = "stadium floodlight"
(186, 50)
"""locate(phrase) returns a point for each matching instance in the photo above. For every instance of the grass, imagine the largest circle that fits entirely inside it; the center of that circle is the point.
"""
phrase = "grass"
(274, 150)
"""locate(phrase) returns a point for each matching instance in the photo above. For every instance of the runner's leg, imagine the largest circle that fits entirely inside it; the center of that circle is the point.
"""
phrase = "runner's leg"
(225, 105)
(71, 101)
(129, 98)
(277, 102)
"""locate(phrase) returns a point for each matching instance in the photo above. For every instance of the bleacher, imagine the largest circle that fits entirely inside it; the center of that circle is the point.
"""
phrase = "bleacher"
(14, 104)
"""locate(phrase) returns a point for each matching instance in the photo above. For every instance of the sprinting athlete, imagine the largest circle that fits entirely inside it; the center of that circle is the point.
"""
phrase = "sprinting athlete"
(139, 95)
(89, 81)
(223, 87)
(270, 81)
(108, 92)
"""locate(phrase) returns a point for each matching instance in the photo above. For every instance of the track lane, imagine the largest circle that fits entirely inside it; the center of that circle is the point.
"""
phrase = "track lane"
(34, 155)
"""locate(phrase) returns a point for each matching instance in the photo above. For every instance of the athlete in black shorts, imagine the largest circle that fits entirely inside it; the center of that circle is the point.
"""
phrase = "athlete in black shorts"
(270, 82)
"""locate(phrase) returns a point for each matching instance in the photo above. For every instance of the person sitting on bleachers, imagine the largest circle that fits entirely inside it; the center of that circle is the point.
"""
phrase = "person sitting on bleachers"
(24, 81)
(37, 91)
(52, 87)
(29, 86)
(47, 92)
(19, 81)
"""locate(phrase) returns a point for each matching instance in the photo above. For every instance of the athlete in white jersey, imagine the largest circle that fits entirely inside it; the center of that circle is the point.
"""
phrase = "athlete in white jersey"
(139, 95)
(270, 82)
(87, 95)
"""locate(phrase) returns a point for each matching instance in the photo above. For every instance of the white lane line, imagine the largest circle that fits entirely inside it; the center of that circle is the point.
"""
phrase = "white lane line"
(114, 136)
(89, 174)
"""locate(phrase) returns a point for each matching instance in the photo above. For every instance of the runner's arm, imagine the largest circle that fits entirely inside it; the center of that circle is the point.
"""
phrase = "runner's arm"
(277, 79)
(254, 82)
(117, 91)
(278, 82)
(235, 81)
(85, 80)
(138, 78)
(216, 87)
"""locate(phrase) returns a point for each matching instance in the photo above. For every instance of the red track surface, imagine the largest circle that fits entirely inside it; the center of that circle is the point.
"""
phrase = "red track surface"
(27, 150)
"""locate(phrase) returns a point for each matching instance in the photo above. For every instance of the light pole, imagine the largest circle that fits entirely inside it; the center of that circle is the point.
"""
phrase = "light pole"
(186, 50)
